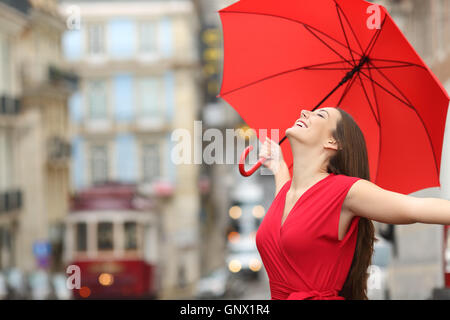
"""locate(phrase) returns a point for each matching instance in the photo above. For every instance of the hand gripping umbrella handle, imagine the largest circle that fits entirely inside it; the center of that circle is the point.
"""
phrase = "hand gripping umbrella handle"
(257, 165)
(242, 163)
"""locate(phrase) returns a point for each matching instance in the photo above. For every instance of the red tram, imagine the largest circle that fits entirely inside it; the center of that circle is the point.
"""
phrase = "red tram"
(113, 241)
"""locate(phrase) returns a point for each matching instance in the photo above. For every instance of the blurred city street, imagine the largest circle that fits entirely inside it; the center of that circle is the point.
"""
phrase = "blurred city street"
(257, 290)
(119, 163)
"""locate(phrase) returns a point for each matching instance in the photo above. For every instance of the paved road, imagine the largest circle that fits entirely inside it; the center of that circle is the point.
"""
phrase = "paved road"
(257, 289)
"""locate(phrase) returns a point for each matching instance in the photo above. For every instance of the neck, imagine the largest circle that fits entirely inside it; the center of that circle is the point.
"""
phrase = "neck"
(309, 166)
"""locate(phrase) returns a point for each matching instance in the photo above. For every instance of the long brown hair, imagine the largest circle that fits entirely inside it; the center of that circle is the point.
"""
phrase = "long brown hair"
(351, 159)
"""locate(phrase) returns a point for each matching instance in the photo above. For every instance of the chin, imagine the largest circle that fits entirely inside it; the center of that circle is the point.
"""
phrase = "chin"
(291, 130)
(293, 133)
(288, 131)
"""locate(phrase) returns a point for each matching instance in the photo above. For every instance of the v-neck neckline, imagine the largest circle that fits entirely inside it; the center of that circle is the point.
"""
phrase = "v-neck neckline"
(282, 223)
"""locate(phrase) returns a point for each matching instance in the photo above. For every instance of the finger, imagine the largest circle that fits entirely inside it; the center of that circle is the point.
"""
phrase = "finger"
(269, 141)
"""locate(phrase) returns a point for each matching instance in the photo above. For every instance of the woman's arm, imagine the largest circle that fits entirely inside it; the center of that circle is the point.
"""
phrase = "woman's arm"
(275, 162)
(366, 199)
(282, 176)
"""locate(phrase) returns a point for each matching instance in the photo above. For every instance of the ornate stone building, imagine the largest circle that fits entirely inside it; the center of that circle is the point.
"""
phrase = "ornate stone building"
(34, 147)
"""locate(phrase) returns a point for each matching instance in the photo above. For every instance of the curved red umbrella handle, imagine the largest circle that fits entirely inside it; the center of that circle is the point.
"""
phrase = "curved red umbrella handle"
(242, 163)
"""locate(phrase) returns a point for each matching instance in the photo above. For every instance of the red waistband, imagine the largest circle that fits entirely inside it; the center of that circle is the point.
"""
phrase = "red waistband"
(281, 291)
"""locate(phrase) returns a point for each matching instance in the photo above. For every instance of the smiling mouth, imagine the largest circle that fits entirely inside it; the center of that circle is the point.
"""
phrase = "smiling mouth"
(301, 124)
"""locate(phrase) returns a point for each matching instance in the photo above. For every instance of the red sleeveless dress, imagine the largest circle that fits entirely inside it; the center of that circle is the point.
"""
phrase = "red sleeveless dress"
(304, 258)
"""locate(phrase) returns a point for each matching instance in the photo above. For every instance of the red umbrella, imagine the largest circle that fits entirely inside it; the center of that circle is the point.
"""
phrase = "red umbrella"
(279, 55)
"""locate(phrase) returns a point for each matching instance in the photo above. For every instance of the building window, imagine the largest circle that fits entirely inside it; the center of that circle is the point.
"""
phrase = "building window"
(105, 236)
(130, 236)
(148, 37)
(151, 162)
(97, 99)
(81, 234)
(99, 163)
(6, 159)
(96, 39)
(151, 98)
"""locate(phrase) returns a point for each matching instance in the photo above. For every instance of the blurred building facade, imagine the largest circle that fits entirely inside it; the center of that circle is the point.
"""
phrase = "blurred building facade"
(34, 145)
(12, 21)
(138, 67)
(417, 266)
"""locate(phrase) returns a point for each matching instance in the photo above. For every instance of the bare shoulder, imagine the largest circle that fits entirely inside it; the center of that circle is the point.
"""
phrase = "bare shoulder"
(368, 200)
(363, 190)
(362, 186)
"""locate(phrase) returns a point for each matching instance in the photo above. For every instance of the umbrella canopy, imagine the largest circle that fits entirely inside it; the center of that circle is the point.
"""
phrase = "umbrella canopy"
(280, 55)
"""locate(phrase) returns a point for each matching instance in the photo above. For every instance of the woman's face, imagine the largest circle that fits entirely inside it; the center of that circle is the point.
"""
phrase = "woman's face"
(314, 128)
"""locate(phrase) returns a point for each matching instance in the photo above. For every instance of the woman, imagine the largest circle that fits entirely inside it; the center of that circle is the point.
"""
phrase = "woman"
(316, 240)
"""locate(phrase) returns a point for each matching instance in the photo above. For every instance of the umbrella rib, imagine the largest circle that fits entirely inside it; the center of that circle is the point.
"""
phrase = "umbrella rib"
(368, 100)
(388, 67)
(374, 39)
(331, 38)
(388, 91)
(345, 34)
(378, 113)
(295, 21)
(350, 26)
(375, 95)
(338, 42)
(314, 68)
(414, 109)
(392, 83)
(411, 64)
(328, 46)
(277, 75)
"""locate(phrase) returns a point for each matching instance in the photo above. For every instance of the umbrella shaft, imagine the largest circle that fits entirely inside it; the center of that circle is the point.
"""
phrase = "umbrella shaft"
(347, 77)
(350, 74)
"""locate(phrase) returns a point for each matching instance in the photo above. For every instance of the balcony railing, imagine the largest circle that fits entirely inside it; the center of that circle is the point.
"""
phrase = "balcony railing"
(56, 74)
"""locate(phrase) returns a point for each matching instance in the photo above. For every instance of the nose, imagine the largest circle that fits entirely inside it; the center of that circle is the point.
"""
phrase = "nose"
(304, 114)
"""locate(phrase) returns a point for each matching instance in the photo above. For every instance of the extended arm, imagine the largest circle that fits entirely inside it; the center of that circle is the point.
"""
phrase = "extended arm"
(366, 199)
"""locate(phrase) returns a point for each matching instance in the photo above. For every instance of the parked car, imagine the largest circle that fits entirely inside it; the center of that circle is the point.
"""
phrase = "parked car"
(243, 258)
(213, 285)
(377, 283)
